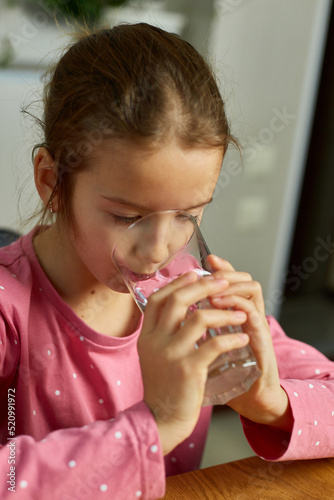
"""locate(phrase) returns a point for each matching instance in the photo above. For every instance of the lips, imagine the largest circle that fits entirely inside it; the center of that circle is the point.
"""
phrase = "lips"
(140, 277)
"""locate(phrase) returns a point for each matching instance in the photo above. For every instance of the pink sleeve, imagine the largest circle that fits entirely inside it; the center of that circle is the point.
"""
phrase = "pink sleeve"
(9, 356)
(307, 377)
(107, 459)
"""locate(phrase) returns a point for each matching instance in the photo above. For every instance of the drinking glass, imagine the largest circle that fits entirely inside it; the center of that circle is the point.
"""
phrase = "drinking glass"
(158, 248)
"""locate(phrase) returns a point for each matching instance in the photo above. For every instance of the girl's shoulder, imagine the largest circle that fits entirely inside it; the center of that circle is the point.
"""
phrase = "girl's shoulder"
(16, 275)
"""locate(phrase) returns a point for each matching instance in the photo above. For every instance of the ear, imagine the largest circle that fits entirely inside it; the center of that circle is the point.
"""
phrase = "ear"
(45, 173)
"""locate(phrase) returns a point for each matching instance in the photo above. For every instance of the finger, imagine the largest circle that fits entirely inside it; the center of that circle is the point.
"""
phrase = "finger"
(157, 299)
(256, 318)
(252, 291)
(256, 324)
(209, 351)
(233, 276)
(248, 289)
(218, 263)
(177, 304)
(199, 322)
(244, 289)
(235, 302)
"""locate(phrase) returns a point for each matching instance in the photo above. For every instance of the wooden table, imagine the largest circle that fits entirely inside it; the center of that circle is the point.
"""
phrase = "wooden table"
(256, 479)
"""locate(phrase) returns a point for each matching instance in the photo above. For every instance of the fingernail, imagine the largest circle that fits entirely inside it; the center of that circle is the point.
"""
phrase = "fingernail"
(202, 272)
(243, 336)
(240, 314)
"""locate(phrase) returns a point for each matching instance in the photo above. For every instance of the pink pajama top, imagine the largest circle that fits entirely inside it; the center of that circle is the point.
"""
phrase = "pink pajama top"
(73, 424)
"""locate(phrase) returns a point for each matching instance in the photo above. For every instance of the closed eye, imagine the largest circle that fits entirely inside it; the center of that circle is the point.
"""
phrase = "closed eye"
(120, 219)
(185, 217)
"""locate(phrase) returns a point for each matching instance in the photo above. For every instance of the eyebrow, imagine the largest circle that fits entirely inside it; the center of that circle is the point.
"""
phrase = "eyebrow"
(142, 207)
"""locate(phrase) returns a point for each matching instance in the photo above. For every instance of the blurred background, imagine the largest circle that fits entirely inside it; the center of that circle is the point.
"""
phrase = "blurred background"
(273, 212)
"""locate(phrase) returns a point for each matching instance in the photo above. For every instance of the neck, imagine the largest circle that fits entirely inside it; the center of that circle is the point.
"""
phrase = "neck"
(107, 311)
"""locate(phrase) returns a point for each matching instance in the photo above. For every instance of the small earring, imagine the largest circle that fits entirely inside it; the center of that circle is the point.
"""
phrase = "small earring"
(50, 207)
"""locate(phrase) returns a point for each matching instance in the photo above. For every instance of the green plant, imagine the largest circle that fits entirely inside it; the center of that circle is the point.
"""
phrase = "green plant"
(90, 10)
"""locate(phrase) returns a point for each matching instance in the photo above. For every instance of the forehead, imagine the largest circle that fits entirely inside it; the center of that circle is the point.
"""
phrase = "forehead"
(163, 178)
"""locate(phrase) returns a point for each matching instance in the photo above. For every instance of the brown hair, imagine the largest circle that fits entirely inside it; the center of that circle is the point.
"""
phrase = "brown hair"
(136, 82)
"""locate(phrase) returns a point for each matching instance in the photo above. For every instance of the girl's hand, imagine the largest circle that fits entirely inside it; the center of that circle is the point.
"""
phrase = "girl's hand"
(174, 371)
(265, 402)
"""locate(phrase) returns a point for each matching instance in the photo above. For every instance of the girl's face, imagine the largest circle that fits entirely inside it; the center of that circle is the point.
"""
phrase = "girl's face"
(127, 183)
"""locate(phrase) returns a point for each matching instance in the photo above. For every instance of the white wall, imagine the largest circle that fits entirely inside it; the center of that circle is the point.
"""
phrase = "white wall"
(16, 139)
(267, 55)
(34, 41)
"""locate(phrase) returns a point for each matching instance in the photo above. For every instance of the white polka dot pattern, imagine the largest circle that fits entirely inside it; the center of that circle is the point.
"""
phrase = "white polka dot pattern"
(310, 394)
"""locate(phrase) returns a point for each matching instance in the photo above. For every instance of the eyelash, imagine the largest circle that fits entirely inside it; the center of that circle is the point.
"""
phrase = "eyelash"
(185, 218)
(124, 220)
(119, 219)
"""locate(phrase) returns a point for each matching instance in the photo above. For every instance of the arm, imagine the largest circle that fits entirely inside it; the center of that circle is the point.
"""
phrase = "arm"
(122, 457)
(307, 378)
(287, 413)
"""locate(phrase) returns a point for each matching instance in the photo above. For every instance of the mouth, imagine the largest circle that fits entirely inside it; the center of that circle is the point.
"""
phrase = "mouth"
(140, 277)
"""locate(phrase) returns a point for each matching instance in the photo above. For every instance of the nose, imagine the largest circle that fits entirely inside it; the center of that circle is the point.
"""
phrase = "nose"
(154, 247)
(151, 242)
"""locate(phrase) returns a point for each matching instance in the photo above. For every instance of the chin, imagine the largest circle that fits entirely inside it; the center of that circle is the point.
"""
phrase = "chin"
(117, 284)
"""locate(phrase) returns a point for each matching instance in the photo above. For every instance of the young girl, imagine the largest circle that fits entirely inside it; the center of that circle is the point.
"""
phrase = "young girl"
(133, 124)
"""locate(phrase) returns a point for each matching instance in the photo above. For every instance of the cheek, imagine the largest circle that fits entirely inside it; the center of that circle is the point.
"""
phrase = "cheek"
(91, 241)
